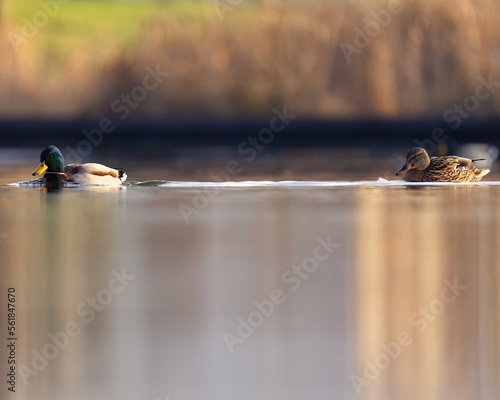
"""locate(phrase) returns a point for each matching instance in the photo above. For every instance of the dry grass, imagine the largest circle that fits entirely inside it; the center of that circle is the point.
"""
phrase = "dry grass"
(269, 54)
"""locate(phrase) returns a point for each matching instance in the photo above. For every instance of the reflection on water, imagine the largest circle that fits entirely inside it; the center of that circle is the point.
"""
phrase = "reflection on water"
(371, 292)
(427, 268)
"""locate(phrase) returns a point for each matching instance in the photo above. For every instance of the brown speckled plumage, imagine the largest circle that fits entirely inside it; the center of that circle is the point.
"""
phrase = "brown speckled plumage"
(419, 167)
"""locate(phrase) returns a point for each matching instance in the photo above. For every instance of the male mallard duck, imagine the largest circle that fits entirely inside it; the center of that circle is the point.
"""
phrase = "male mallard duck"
(52, 163)
(420, 168)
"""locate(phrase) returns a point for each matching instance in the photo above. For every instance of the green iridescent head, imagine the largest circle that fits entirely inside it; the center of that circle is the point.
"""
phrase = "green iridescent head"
(51, 160)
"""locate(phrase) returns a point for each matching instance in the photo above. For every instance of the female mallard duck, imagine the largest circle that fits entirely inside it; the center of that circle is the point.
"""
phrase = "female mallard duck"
(420, 168)
(52, 163)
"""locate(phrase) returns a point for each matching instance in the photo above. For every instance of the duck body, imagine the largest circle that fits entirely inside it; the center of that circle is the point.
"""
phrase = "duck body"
(419, 167)
(52, 163)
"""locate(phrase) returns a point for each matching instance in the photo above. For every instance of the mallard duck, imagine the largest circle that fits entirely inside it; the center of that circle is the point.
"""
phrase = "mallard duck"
(52, 163)
(419, 167)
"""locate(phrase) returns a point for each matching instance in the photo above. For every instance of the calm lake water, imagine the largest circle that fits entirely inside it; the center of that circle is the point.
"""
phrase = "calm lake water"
(257, 291)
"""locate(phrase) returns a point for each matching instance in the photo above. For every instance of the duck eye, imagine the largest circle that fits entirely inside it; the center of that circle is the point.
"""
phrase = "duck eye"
(52, 155)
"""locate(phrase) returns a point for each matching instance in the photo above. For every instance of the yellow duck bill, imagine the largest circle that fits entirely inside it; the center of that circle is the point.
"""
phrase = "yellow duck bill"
(403, 169)
(41, 168)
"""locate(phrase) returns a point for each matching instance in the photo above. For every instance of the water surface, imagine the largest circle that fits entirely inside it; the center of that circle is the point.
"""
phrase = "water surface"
(381, 291)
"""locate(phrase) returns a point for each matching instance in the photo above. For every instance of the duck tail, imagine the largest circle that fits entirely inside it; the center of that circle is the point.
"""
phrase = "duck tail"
(122, 175)
(483, 172)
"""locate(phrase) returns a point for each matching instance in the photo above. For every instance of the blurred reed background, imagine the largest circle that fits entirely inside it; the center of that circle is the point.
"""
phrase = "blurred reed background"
(242, 60)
